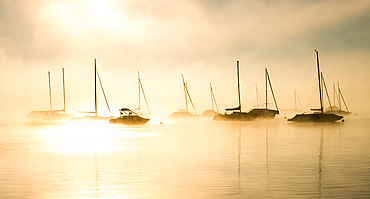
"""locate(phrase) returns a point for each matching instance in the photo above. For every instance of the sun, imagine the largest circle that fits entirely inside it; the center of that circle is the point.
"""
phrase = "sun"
(106, 15)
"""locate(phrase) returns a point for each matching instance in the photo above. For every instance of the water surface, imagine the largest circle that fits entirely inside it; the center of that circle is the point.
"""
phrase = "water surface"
(186, 159)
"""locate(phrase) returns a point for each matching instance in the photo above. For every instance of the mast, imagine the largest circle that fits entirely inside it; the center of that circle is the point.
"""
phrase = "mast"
(318, 73)
(186, 99)
(142, 89)
(51, 106)
(295, 99)
(334, 93)
(138, 77)
(64, 93)
(213, 98)
(210, 86)
(340, 105)
(191, 101)
(257, 95)
(266, 74)
(272, 90)
(96, 100)
(237, 70)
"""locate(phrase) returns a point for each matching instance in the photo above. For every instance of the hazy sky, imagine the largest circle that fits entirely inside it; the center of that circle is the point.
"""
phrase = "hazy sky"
(201, 39)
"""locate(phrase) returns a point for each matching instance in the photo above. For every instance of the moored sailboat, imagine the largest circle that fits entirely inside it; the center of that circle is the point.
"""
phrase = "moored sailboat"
(211, 112)
(184, 113)
(95, 115)
(319, 115)
(338, 110)
(141, 90)
(236, 114)
(266, 113)
(52, 114)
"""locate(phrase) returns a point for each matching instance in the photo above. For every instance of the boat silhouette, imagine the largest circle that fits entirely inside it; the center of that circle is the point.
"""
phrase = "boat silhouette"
(236, 113)
(266, 113)
(318, 115)
(95, 115)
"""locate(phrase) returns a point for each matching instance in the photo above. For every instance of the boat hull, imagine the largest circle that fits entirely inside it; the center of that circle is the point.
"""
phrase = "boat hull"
(264, 114)
(182, 115)
(339, 112)
(316, 117)
(130, 120)
(90, 118)
(235, 116)
(209, 113)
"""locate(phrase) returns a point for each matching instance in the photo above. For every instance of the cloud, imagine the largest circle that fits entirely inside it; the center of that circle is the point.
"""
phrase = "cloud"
(201, 39)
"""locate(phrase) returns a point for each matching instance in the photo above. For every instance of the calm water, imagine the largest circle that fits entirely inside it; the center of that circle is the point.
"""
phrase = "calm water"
(193, 159)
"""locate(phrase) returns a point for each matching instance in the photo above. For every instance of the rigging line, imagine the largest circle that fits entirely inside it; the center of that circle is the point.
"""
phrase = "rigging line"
(228, 95)
(69, 97)
(130, 94)
(214, 99)
(87, 79)
(142, 89)
(326, 90)
(272, 91)
(248, 87)
(101, 85)
(187, 91)
(340, 93)
(227, 85)
(38, 95)
(260, 98)
(303, 88)
(299, 102)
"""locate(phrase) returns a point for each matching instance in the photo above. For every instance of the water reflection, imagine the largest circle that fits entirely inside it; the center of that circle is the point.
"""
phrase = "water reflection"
(96, 175)
(267, 154)
(240, 152)
(89, 137)
(185, 160)
(321, 156)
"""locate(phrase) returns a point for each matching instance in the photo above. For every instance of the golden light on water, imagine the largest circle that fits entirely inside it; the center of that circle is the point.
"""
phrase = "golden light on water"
(90, 137)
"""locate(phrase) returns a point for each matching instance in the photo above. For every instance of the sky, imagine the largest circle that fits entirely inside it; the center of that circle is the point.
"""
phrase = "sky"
(163, 39)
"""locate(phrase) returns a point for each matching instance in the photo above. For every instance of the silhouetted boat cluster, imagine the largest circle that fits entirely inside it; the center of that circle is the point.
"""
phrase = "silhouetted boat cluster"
(128, 116)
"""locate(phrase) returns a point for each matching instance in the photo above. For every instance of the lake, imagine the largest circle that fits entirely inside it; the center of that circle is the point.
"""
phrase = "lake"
(186, 159)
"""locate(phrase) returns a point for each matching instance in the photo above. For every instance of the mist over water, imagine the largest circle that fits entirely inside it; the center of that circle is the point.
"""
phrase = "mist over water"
(202, 40)
(197, 158)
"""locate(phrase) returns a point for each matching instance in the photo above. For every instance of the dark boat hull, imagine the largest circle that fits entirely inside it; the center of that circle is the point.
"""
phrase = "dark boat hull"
(316, 117)
(130, 120)
(235, 116)
(264, 114)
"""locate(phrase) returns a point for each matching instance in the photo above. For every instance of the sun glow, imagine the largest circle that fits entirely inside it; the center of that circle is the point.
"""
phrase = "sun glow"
(91, 137)
(106, 16)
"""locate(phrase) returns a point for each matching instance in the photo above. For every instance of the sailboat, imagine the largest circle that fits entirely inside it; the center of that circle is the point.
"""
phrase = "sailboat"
(338, 110)
(128, 116)
(184, 113)
(211, 112)
(95, 116)
(52, 114)
(319, 115)
(265, 113)
(236, 114)
(141, 89)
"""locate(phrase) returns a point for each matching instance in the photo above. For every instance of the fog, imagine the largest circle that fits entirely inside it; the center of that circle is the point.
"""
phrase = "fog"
(164, 39)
